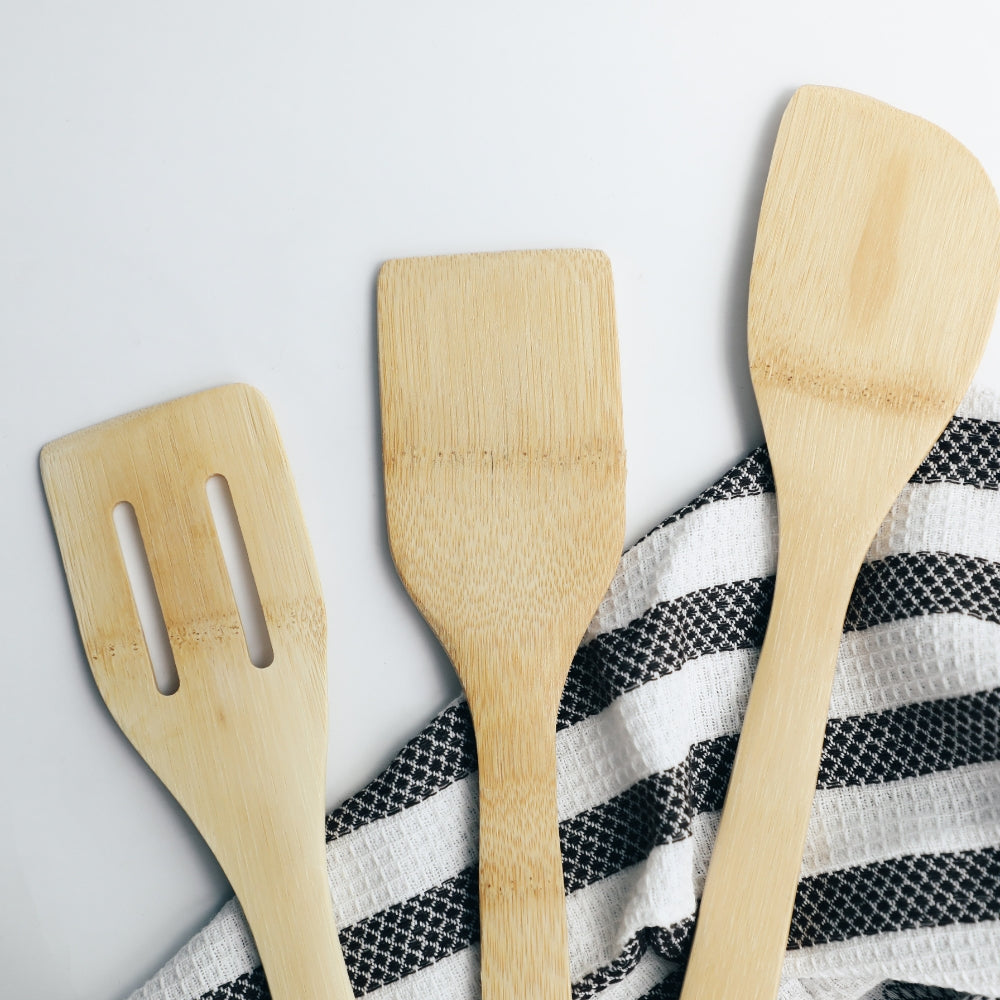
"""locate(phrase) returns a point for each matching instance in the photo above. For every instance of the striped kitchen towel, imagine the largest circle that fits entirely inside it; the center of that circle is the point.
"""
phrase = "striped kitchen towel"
(900, 888)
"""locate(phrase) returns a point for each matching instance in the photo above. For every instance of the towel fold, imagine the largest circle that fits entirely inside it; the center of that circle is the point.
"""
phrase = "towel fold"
(899, 896)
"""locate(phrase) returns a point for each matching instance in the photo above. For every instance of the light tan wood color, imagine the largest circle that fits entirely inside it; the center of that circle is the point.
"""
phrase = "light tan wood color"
(242, 749)
(872, 294)
(504, 482)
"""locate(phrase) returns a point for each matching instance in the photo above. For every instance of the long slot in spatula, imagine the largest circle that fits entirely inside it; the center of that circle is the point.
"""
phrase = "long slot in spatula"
(242, 749)
(874, 284)
(504, 483)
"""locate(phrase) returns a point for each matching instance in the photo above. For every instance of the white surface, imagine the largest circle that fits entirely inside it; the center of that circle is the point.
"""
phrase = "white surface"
(198, 193)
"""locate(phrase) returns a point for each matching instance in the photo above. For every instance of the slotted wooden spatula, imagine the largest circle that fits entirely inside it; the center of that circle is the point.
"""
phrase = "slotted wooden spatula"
(874, 283)
(504, 481)
(242, 749)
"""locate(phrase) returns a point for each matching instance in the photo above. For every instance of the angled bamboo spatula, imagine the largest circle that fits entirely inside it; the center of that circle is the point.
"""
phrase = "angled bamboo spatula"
(504, 482)
(242, 748)
(874, 284)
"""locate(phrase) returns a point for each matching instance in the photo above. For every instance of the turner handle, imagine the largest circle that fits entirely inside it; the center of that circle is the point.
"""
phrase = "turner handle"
(746, 909)
(522, 904)
(286, 899)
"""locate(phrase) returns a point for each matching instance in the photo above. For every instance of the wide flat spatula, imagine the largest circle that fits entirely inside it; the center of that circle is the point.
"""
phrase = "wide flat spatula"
(872, 294)
(504, 481)
(243, 749)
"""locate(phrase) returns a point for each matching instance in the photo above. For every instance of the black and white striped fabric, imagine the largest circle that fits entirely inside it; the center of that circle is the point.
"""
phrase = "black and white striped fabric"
(900, 890)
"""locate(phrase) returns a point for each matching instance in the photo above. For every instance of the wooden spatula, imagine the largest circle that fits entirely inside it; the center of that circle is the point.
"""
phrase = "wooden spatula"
(874, 283)
(504, 482)
(243, 749)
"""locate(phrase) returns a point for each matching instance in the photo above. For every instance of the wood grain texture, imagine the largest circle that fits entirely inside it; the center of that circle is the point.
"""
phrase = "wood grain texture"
(872, 294)
(242, 749)
(504, 481)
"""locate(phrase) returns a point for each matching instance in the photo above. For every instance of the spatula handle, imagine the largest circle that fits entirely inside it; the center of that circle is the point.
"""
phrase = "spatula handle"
(522, 905)
(746, 909)
(288, 907)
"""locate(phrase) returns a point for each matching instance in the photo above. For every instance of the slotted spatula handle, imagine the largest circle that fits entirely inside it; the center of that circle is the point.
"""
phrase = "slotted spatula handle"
(286, 901)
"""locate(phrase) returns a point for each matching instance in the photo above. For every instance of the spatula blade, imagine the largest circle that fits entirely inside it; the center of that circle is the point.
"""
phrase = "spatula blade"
(501, 393)
(159, 460)
(875, 274)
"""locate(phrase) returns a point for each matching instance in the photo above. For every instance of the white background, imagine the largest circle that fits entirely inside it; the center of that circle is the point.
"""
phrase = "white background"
(194, 193)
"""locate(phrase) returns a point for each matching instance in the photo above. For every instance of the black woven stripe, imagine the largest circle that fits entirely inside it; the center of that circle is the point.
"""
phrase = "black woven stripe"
(599, 980)
(674, 942)
(904, 742)
(924, 890)
(916, 991)
(411, 935)
(661, 640)
(967, 453)
(249, 986)
(711, 763)
(624, 830)
(442, 754)
(911, 740)
(924, 583)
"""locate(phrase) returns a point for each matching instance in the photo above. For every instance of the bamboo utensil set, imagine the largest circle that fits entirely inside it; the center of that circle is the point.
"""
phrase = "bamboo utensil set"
(875, 279)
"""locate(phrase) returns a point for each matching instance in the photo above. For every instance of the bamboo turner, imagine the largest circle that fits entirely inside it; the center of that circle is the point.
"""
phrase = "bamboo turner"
(242, 749)
(504, 483)
(872, 293)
